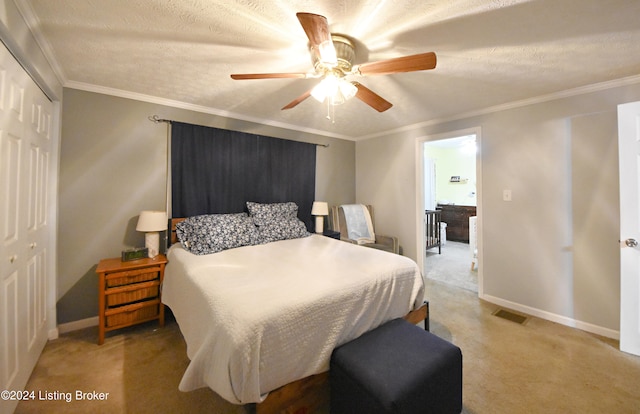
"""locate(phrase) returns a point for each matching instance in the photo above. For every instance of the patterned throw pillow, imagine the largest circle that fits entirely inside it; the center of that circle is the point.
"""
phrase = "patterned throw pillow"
(213, 233)
(277, 221)
(267, 213)
(282, 229)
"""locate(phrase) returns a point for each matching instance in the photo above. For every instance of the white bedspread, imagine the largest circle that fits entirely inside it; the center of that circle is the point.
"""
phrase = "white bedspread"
(258, 317)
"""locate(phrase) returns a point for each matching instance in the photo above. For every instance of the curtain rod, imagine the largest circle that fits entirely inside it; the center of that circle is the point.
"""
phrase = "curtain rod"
(156, 120)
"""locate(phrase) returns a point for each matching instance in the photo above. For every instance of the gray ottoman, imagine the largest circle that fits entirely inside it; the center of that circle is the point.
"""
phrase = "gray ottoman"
(397, 368)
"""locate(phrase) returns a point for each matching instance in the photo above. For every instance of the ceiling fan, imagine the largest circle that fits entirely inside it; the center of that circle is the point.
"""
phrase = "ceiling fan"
(332, 56)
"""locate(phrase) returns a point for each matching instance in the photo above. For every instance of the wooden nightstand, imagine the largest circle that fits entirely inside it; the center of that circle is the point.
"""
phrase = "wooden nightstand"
(129, 293)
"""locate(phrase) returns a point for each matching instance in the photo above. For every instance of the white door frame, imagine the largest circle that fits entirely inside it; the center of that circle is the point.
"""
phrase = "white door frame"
(420, 241)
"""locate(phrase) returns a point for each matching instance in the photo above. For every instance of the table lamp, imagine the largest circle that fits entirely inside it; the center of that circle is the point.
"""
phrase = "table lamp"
(319, 209)
(151, 223)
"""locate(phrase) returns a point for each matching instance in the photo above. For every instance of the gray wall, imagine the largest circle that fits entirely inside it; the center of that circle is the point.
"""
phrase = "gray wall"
(113, 165)
(553, 250)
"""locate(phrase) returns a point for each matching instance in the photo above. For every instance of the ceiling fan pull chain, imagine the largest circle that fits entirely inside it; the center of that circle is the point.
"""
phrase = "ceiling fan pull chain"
(328, 101)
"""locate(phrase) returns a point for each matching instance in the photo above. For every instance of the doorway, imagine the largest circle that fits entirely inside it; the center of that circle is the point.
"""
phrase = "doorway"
(449, 181)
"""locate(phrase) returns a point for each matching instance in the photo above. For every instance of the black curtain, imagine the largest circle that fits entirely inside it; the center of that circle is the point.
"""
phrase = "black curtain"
(217, 171)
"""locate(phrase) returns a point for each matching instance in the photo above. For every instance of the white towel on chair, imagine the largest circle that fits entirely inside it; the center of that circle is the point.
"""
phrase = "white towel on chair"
(359, 225)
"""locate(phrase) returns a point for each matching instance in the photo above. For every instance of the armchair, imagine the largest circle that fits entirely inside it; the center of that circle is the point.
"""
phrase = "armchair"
(378, 241)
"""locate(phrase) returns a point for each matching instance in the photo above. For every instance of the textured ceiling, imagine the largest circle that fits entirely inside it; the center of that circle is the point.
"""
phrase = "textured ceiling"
(490, 53)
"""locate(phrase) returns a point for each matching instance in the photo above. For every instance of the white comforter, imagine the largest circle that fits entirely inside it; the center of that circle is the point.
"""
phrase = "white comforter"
(258, 317)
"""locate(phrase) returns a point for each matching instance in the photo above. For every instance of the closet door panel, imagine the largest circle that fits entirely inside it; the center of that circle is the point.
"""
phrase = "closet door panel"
(25, 156)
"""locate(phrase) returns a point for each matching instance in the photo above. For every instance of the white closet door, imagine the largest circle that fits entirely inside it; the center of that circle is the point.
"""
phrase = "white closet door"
(25, 155)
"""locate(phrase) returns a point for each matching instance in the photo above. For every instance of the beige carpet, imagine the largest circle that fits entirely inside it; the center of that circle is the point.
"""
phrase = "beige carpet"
(538, 367)
(452, 266)
(140, 367)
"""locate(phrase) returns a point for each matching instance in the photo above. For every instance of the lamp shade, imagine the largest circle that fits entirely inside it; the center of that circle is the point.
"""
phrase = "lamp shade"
(152, 221)
(320, 208)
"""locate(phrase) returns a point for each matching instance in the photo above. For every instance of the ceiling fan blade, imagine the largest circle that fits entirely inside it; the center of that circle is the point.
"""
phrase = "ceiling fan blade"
(298, 100)
(315, 26)
(317, 29)
(411, 63)
(244, 76)
(371, 98)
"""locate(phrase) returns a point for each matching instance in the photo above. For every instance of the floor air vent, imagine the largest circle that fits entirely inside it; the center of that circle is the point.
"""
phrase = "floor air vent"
(510, 316)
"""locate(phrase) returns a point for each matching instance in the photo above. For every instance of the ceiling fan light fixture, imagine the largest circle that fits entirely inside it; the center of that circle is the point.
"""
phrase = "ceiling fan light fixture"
(337, 90)
(327, 87)
(319, 92)
(327, 53)
(347, 89)
(336, 54)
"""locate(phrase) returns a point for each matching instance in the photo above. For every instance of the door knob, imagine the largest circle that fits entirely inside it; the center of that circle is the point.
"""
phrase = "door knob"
(631, 242)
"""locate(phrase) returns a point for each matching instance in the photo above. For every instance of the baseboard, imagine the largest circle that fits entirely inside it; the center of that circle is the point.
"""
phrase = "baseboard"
(77, 325)
(563, 320)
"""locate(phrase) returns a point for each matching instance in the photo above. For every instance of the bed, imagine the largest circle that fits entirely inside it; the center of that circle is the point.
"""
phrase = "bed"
(260, 321)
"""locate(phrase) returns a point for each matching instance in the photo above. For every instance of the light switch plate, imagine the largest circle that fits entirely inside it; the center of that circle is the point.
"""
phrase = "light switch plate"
(506, 195)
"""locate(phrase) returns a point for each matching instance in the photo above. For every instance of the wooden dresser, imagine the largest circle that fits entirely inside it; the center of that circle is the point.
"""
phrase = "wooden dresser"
(129, 293)
(457, 219)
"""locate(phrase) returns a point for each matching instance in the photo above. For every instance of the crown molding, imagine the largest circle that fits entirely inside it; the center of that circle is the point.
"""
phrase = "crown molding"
(198, 108)
(582, 90)
(227, 114)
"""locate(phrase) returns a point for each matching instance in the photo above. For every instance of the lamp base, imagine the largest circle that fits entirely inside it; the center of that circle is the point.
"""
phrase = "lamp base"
(152, 242)
(319, 224)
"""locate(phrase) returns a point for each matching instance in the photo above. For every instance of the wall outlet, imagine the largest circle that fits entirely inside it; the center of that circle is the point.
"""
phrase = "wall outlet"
(506, 195)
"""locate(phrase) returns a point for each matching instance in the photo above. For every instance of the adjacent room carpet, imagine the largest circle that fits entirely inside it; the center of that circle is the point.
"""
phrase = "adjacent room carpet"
(452, 266)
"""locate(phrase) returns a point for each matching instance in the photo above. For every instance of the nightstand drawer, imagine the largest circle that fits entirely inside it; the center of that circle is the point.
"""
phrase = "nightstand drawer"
(130, 314)
(132, 293)
(132, 276)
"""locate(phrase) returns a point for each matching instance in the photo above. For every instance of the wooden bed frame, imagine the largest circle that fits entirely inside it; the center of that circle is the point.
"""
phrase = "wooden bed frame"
(309, 394)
